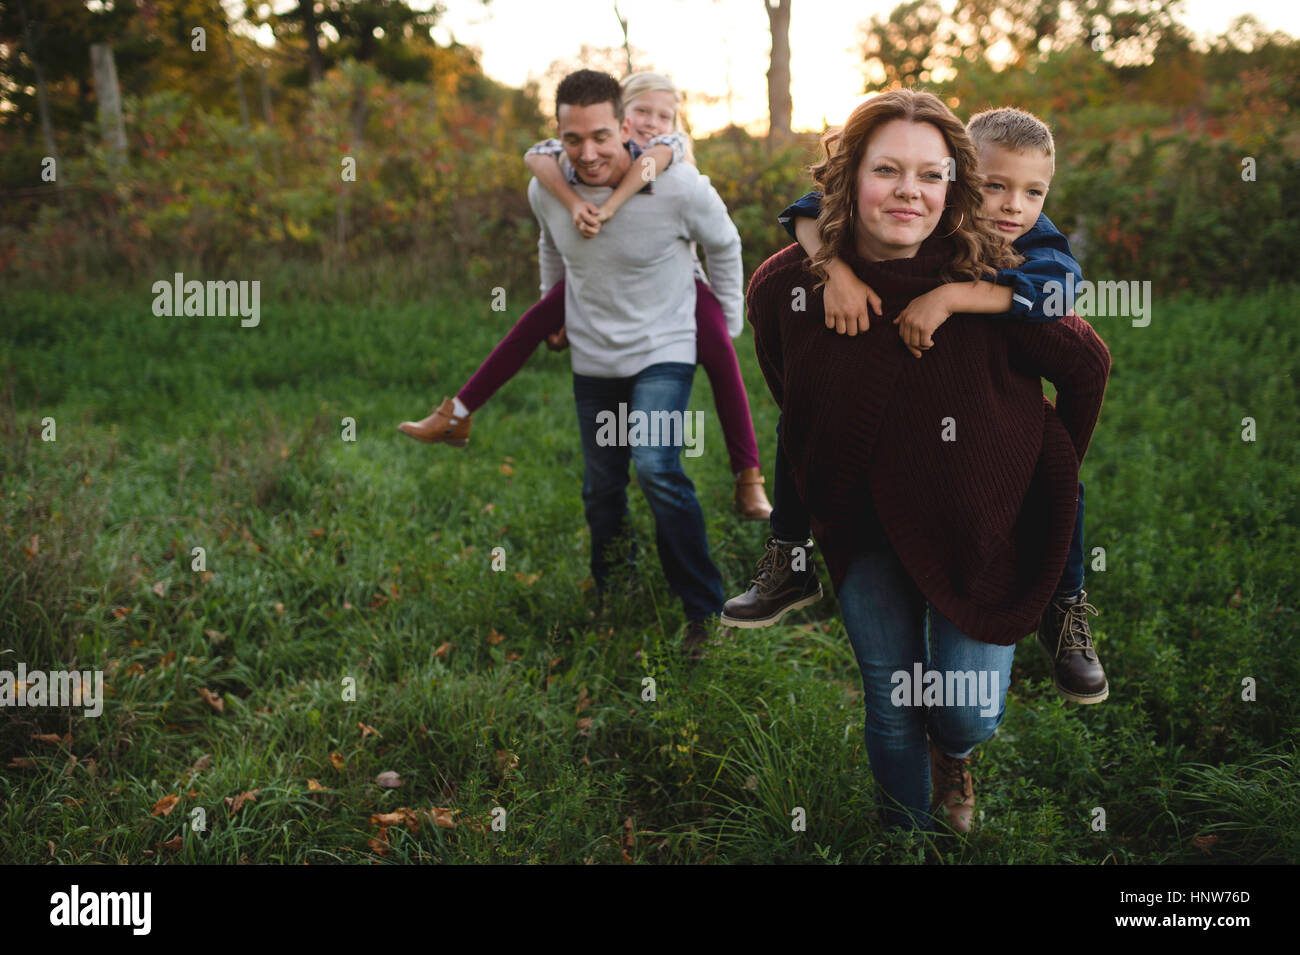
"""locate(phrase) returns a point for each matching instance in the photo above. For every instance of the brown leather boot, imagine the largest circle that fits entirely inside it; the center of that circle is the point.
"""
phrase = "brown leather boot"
(442, 425)
(1064, 636)
(751, 502)
(952, 788)
(784, 580)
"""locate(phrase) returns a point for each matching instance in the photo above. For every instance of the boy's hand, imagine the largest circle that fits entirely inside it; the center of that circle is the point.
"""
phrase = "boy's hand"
(586, 218)
(919, 320)
(557, 341)
(847, 299)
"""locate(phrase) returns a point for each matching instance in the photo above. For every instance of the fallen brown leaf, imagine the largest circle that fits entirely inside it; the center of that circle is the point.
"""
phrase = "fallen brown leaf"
(443, 817)
(53, 738)
(314, 785)
(443, 650)
(237, 802)
(212, 699)
(368, 730)
(202, 763)
(336, 760)
(160, 588)
(172, 845)
(493, 638)
(164, 806)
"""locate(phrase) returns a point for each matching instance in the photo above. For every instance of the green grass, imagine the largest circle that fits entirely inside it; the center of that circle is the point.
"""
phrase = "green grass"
(177, 433)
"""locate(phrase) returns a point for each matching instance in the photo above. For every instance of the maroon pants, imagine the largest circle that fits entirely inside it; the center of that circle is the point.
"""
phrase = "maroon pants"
(713, 350)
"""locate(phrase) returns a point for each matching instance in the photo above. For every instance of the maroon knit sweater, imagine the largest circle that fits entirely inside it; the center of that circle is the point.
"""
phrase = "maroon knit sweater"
(982, 523)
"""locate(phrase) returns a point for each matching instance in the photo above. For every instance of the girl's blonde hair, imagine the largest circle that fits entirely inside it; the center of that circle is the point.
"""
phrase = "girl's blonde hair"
(978, 249)
(634, 84)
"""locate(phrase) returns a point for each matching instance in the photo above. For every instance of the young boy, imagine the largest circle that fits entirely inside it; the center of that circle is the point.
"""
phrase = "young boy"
(1017, 158)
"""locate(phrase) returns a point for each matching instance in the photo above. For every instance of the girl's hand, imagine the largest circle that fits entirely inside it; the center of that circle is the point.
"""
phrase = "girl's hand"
(557, 341)
(586, 218)
(920, 319)
(847, 299)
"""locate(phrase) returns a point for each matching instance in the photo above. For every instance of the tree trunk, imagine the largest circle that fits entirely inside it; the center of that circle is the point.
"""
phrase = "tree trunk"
(627, 47)
(110, 100)
(269, 117)
(779, 106)
(42, 101)
(315, 66)
(239, 78)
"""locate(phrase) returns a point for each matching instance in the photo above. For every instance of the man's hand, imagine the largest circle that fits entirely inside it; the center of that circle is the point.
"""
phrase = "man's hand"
(586, 218)
(846, 300)
(921, 318)
(557, 341)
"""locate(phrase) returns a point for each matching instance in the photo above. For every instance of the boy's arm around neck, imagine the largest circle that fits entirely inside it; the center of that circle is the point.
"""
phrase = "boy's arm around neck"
(1043, 277)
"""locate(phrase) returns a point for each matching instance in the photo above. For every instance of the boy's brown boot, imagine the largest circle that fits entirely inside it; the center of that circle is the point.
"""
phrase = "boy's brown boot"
(777, 588)
(442, 425)
(751, 503)
(1065, 637)
(952, 788)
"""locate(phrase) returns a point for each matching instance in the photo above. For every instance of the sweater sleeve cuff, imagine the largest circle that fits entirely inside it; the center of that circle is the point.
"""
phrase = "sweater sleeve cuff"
(1023, 293)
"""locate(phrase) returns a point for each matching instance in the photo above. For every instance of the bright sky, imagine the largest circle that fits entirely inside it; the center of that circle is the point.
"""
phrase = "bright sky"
(708, 45)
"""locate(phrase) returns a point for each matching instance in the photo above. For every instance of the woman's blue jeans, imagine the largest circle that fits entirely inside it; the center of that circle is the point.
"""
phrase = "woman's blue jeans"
(892, 627)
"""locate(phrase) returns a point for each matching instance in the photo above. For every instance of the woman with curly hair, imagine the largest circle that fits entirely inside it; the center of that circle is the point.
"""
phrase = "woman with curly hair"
(942, 492)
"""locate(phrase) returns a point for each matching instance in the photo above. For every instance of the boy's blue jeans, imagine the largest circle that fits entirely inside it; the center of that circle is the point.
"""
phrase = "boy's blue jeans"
(679, 522)
(892, 627)
(789, 521)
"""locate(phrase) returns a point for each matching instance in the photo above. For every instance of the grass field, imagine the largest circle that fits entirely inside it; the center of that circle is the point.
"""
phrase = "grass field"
(370, 561)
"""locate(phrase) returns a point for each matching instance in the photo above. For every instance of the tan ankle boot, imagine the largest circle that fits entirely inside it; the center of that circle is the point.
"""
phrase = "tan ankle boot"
(442, 425)
(952, 788)
(751, 502)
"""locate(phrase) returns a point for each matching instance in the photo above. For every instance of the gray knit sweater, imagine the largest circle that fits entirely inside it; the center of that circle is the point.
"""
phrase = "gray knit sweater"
(629, 296)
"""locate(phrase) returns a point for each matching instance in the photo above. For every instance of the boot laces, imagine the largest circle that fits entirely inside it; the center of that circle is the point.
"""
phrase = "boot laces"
(954, 773)
(770, 566)
(1075, 634)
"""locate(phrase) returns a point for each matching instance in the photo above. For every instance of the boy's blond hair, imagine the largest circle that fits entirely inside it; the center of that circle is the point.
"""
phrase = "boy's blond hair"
(1012, 129)
(634, 84)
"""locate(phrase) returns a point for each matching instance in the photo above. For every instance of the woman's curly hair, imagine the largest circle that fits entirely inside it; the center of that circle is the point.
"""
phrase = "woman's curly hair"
(979, 249)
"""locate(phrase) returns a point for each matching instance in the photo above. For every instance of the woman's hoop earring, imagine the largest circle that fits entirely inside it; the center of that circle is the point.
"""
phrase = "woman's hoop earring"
(957, 226)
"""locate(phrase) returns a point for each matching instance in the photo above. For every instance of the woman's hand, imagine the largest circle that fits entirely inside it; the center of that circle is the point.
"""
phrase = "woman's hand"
(586, 218)
(846, 300)
(919, 320)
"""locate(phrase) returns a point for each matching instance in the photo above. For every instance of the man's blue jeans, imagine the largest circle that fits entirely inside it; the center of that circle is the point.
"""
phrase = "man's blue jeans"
(891, 627)
(679, 523)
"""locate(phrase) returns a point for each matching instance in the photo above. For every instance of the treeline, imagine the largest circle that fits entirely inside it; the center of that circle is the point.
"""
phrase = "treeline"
(1171, 169)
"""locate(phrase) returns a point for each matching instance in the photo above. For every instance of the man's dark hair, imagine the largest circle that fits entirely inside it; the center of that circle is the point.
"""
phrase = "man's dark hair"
(587, 88)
